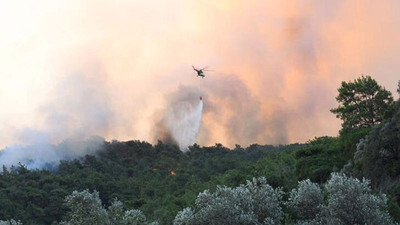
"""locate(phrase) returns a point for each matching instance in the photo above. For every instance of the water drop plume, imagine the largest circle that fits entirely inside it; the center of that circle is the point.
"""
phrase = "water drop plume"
(180, 120)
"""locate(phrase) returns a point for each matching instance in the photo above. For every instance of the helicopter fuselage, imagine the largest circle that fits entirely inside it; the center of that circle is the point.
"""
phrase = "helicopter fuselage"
(200, 73)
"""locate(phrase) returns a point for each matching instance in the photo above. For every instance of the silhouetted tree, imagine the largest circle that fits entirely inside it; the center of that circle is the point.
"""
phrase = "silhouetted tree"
(362, 103)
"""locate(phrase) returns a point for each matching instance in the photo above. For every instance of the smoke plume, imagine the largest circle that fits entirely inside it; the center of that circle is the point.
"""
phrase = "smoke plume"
(42, 154)
(76, 113)
(235, 115)
(181, 119)
(246, 123)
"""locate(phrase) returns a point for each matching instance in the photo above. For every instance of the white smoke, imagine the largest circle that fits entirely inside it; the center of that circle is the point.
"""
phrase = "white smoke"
(75, 116)
(41, 154)
(179, 122)
(183, 122)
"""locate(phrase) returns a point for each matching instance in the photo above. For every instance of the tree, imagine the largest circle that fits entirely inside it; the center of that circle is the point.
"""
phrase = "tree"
(306, 199)
(348, 201)
(378, 156)
(362, 103)
(185, 217)
(351, 201)
(86, 208)
(319, 158)
(256, 202)
(10, 222)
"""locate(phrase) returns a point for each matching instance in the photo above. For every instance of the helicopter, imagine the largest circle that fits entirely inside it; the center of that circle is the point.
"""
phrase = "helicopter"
(200, 72)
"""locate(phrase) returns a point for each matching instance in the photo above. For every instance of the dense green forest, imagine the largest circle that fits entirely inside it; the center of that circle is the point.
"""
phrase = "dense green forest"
(164, 183)
(160, 180)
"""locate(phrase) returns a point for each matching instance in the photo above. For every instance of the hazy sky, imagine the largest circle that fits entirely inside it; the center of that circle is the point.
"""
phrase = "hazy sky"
(97, 67)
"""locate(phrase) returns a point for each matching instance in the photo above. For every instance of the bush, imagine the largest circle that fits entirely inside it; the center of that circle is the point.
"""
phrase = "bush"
(10, 222)
(256, 202)
(348, 201)
(306, 199)
(86, 208)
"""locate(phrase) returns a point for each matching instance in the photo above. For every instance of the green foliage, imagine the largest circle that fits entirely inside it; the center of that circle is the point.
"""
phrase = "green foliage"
(306, 199)
(344, 200)
(137, 173)
(393, 208)
(256, 202)
(319, 158)
(86, 208)
(10, 222)
(348, 201)
(378, 156)
(362, 103)
(351, 201)
(350, 140)
(277, 167)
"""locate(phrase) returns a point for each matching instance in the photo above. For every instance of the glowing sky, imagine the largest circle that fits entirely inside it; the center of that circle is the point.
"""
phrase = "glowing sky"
(104, 67)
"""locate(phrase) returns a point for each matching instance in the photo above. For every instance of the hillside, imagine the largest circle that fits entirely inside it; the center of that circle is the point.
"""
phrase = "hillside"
(160, 180)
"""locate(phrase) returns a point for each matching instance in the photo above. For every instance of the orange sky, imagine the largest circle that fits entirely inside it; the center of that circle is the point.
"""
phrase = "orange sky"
(104, 67)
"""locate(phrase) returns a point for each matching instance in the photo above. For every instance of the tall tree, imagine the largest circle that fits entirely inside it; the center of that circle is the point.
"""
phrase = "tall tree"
(362, 103)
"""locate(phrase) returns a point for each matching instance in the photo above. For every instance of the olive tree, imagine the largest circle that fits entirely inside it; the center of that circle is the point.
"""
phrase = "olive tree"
(255, 202)
(306, 200)
(348, 201)
(86, 208)
(10, 222)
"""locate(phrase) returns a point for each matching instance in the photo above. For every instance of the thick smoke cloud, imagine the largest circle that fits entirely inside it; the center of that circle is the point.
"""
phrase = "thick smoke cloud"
(238, 116)
(76, 113)
(42, 154)
(79, 107)
(245, 123)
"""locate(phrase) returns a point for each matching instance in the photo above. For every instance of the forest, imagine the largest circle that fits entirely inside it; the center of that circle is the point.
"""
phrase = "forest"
(353, 178)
